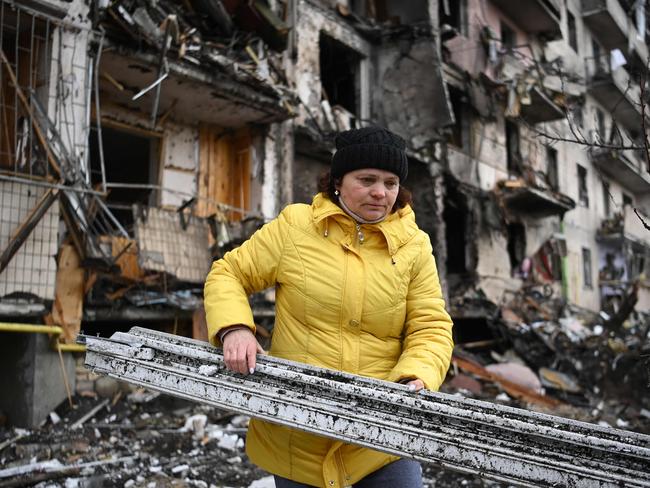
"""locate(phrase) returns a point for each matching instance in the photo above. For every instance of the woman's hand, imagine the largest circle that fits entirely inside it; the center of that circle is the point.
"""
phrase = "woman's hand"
(239, 350)
(415, 385)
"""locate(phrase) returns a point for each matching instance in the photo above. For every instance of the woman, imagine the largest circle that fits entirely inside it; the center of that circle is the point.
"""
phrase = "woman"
(356, 290)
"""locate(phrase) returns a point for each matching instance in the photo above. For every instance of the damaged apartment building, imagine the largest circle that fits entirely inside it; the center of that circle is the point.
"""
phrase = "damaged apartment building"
(140, 139)
(550, 179)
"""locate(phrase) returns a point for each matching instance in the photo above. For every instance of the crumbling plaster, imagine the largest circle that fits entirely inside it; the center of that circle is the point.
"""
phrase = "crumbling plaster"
(180, 163)
(411, 99)
(277, 168)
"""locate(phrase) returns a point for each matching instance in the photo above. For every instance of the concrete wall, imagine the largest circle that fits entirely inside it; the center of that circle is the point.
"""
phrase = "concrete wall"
(32, 378)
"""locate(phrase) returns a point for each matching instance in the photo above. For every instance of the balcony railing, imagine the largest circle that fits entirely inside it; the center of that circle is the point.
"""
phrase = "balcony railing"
(613, 87)
(626, 225)
(611, 25)
(628, 167)
(541, 17)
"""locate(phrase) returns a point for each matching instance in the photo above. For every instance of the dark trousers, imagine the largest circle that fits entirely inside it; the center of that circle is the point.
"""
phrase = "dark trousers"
(404, 473)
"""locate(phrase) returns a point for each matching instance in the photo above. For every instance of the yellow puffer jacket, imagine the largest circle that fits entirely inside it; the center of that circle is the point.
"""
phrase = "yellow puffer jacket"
(366, 301)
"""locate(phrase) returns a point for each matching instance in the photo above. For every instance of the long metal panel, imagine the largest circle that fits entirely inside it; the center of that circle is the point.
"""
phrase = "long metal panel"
(498, 442)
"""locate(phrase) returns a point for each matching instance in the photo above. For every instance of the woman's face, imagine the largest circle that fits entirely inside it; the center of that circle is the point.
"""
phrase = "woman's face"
(370, 193)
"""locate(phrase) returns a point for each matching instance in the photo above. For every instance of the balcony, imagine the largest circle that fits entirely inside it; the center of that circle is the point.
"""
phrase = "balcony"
(614, 90)
(534, 201)
(540, 17)
(625, 227)
(609, 22)
(541, 108)
(227, 99)
(624, 167)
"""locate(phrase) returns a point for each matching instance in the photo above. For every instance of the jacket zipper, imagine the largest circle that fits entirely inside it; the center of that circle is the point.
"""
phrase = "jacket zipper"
(360, 235)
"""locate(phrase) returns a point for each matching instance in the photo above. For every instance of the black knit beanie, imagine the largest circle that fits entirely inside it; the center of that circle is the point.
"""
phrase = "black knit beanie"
(369, 147)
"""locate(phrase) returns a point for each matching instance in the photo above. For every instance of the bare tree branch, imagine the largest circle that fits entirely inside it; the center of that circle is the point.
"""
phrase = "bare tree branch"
(645, 224)
(618, 147)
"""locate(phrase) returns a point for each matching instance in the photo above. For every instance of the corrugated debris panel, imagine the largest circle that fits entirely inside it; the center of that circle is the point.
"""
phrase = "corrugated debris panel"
(169, 246)
(33, 267)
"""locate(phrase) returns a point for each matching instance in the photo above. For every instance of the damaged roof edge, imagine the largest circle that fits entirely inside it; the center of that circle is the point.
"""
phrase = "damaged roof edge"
(262, 95)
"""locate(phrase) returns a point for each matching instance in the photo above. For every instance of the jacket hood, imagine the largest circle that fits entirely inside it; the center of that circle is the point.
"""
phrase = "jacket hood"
(398, 228)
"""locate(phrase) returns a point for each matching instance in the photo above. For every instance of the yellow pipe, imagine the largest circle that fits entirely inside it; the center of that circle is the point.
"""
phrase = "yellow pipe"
(30, 328)
(70, 347)
(43, 329)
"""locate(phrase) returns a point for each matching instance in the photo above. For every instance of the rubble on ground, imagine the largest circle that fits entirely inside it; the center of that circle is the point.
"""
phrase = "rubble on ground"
(570, 362)
(117, 435)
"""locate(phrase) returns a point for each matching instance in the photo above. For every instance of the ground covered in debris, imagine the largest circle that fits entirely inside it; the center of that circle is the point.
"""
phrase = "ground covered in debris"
(141, 438)
(542, 356)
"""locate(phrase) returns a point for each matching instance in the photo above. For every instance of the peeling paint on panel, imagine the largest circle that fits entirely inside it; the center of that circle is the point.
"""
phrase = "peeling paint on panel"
(516, 446)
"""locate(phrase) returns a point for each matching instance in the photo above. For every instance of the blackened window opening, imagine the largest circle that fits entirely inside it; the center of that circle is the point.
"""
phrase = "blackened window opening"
(455, 217)
(451, 13)
(551, 171)
(128, 158)
(339, 71)
(571, 28)
(512, 147)
(508, 39)
(583, 193)
(600, 122)
(458, 135)
(516, 246)
(607, 208)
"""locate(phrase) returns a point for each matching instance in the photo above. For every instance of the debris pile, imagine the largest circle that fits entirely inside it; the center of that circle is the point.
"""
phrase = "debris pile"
(135, 438)
(230, 37)
(119, 435)
(575, 362)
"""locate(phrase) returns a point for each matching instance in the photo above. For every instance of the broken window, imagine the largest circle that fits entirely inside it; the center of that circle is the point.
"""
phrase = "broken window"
(459, 135)
(516, 246)
(576, 114)
(339, 71)
(627, 200)
(600, 61)
(508, 38)
(571, 31)
(583, 194)
(453, 13)
(586, 268)
(600, 125)
(607, 209)
(513, 155)
(455, 216)
(551, 168)
(131, 164)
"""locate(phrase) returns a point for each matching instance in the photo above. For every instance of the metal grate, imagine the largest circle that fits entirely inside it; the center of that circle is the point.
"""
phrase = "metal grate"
(33, 268)
(46, 75)
(169, 246)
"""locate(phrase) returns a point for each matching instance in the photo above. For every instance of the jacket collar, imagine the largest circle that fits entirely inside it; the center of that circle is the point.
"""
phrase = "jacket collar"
(398, 228)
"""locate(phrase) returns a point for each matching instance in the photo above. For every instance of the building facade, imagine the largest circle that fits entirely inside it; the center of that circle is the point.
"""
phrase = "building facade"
(141, 140)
